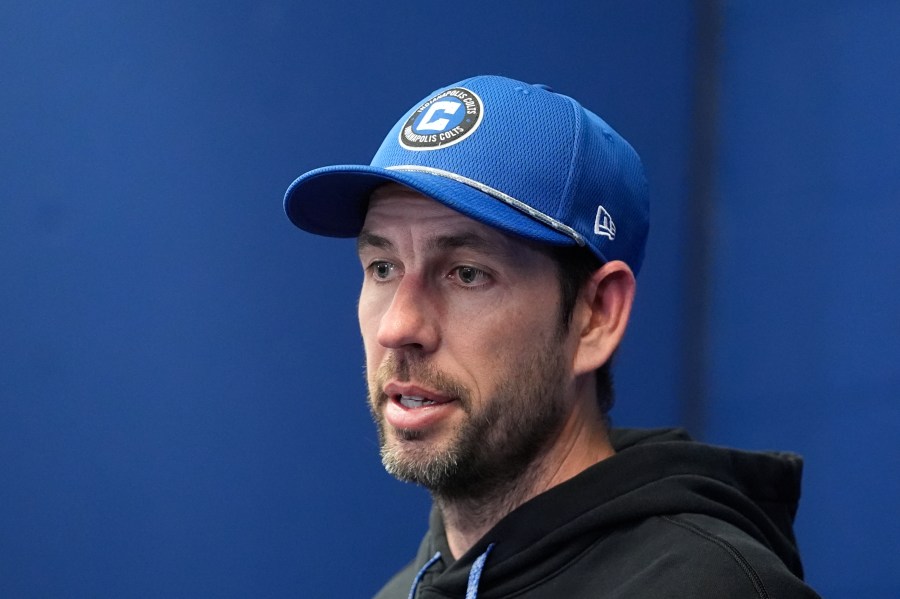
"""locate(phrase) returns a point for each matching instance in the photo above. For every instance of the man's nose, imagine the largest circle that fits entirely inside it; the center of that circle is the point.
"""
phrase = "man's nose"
(411, 319)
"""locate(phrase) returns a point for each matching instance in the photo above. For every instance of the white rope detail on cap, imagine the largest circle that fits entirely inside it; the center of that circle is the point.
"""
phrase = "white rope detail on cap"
(498, 195)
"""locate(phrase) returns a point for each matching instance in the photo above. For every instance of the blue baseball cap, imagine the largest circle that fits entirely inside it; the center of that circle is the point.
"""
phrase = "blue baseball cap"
(515, 156)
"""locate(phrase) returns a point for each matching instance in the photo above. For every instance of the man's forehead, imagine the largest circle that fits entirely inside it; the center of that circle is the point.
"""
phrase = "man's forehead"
(393, 189)
(392, 200)
(395, 208)
(397, 192)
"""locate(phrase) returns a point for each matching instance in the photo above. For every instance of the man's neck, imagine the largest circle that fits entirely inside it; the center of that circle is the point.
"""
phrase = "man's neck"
(579, 446)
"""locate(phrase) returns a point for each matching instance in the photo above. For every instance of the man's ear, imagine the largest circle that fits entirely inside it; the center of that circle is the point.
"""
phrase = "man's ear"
(601, 314)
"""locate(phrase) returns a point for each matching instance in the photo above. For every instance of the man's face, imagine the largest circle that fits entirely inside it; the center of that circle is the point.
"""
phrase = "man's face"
(467, 365)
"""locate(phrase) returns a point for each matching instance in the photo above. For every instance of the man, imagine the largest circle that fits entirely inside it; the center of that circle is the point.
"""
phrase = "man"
(500, 226)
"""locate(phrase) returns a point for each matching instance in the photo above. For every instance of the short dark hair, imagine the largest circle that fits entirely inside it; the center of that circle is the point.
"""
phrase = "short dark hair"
(574, 266)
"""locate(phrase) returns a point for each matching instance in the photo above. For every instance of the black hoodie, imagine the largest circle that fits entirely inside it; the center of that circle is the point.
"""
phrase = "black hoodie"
(664, 517)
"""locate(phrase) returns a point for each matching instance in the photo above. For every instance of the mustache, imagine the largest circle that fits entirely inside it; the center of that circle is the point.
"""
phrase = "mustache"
(405, 368)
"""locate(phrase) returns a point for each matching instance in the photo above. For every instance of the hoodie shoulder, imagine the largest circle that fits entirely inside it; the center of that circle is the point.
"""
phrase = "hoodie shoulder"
(678, 557)
(719, 559)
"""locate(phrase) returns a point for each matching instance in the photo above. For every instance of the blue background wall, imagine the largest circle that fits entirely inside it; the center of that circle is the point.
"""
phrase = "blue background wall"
(181, 404)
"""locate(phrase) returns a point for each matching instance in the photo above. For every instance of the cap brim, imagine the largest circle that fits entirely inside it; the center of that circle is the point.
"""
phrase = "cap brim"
(332, 201)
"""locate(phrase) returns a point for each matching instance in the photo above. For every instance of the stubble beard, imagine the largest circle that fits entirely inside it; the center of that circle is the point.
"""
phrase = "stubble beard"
(496, 447)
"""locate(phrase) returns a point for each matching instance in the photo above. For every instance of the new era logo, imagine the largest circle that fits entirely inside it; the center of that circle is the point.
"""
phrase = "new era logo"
(603, 224)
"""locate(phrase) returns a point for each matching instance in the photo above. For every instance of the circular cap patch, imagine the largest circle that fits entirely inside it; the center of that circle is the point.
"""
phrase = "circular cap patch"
(442, 121)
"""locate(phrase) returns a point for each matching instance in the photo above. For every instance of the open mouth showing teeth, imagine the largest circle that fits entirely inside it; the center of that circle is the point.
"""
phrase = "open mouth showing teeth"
(412, 401)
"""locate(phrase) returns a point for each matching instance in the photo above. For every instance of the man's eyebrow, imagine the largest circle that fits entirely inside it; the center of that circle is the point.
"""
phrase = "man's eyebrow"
(366, 239)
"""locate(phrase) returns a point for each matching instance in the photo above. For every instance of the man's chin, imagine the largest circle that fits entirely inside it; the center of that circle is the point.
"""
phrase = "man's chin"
(412, 445)
(418, 461)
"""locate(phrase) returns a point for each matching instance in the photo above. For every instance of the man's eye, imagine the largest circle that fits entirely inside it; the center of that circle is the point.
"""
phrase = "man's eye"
(382, 271)
(470, 276)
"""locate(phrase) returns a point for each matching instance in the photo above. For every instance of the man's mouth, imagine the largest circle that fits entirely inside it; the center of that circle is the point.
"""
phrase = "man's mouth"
(414, 401)
(412, 396)
(414, 407)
